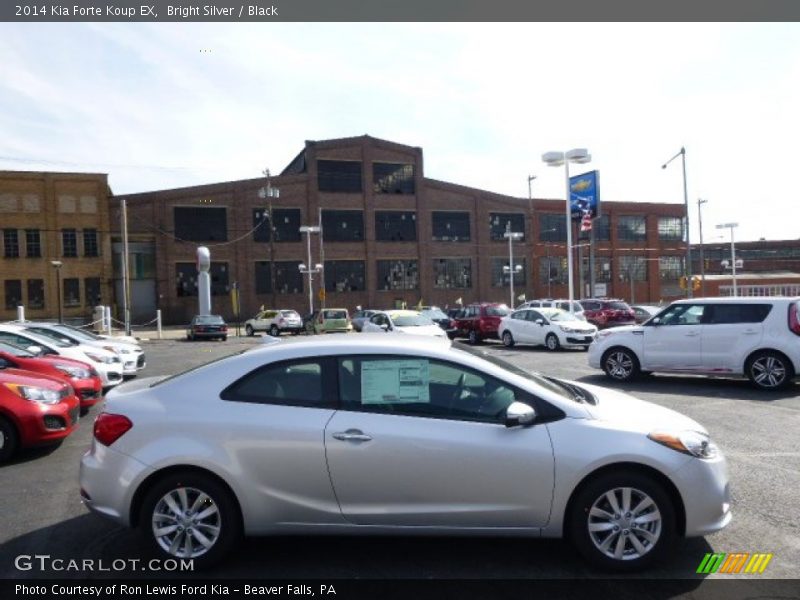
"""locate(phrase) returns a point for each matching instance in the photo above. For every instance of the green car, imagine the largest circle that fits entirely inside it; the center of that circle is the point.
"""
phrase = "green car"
(330, 320)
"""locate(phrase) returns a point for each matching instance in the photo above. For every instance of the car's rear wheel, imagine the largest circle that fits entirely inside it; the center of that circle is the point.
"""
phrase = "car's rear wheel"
(473, 337)
(508, 339)
(274, 331)
(623, 521)
(551, 341)
(620, 364)
(769, 370)
(9, 440)
(190, 515)
(248, 329)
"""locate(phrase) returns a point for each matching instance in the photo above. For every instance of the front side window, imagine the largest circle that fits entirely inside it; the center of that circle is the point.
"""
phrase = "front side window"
(339, 176)
(290, 383)
(451, 226)
(682, 314)
(413, 386)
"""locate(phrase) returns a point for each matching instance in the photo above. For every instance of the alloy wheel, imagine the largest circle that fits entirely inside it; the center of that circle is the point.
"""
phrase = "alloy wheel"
(186, 522)
(619, 365)
(768, 371)
(624, 523)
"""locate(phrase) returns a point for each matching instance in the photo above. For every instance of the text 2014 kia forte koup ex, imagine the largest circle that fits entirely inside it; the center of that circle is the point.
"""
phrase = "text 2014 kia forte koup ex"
(375, 436)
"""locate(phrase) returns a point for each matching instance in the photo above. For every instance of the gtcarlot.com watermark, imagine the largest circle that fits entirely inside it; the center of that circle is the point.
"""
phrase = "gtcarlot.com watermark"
(46, 562)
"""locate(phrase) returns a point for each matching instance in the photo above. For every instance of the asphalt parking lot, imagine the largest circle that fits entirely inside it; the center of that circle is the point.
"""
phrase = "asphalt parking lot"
(41, 513)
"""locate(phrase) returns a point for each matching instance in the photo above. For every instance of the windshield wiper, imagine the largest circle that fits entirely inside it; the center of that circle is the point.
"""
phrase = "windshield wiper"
(578, 393)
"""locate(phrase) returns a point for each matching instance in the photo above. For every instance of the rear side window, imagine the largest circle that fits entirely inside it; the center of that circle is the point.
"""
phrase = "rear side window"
(290, 383)
(496, 311)
(738, 313)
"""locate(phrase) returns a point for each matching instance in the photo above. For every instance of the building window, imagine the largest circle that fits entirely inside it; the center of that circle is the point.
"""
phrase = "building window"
(552, 228)
(670, 228)
(91, 288)
(632, 228)
(339, 176)
(602, 229)
(13, 289)
(392, 178)
(201, 223)
(553, 269)
(451, 226)
(33, 243)
(344, 276)
(72, 291)
(343, 225)
(286, 226)
(10, 243)
(633, 268)
(398, 275)
(91, 247)
(263, 277)
(395, 226)
(602, 269)
(501, 278)
(186, 279)
(288, 279)
(69, 243)
(451, 273)
(36, 293)
(670, 267)
(499, 221)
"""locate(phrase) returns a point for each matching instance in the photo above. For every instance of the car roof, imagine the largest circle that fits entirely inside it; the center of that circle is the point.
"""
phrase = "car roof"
(402, 313)
(738, 300)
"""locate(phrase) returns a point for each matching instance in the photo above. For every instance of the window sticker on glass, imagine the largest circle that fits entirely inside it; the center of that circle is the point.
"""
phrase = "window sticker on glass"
(395, 381)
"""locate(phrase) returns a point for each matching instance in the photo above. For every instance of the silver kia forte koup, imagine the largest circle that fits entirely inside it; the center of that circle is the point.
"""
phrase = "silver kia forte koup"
(367, 435)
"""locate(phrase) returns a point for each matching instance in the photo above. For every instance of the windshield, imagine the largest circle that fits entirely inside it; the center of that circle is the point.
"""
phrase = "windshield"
(412, 321)
(334, 314)
(78, 333)
(563, 316)
(209, 320)
(197, 367)
(60, 339)
(618, 306)
(512, 368)
(434, 313)
(290, 313)
(15, 350)
(501, 310)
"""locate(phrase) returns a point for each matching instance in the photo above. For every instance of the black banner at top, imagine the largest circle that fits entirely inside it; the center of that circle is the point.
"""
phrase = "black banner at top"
(395, 11)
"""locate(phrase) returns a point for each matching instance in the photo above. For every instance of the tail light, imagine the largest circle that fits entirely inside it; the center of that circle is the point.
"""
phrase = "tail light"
(224, 328)
(452, 323)
(794, 318)
(108, 428)
(281, 321)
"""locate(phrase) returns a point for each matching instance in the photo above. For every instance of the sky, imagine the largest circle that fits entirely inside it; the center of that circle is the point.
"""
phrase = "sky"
(166, 105)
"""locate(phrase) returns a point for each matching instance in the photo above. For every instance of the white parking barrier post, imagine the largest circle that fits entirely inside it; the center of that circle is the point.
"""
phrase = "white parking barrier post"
(107, 320)
(158, 322)
(21, 314)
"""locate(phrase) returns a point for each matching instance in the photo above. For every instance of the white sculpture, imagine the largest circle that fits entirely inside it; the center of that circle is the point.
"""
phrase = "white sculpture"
(204, 280)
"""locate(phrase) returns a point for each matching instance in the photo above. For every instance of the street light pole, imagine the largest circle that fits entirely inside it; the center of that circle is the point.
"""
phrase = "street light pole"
(57, 264)
(732, 226)
(308, 270)
(687, 271)
(532, 283)
(511, 236)
(268, 193)
(700, 203)
(556, 159)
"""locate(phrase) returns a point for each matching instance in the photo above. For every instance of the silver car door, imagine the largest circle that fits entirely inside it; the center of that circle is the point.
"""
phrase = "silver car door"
(419, 443)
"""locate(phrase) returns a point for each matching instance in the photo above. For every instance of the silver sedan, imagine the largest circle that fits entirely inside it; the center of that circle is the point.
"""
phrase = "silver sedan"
(374, 436)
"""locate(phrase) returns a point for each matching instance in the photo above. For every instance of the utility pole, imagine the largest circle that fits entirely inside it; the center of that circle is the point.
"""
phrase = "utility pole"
(268, 193)
(700, 203)
(126, 310)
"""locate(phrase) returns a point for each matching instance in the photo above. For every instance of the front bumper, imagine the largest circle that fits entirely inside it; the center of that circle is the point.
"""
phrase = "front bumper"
(704, 487)
(110, 374)
(47, 424)
(90, 391)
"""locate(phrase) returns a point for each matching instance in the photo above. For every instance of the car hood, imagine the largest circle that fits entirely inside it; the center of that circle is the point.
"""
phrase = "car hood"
(623, 329)
(628, 411)
(422, 330)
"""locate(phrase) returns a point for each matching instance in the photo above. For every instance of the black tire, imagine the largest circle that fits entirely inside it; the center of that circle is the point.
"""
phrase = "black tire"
(551, 342)
(248, 329)
(274, 331)
(473, 337)
(9, 439)
(621, 364)
(227, 518)
(224, 338)
(768, 370)
(508, 339)
(655, 534)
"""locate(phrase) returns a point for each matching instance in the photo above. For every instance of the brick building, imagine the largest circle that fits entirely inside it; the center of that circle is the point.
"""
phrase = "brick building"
(390, 235)
(46, 217)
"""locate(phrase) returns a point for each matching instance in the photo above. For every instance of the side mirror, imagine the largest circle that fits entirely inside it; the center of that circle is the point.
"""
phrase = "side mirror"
(37, 350)
(385, 326)
(540, 322)
(519, 414)
(654, 321)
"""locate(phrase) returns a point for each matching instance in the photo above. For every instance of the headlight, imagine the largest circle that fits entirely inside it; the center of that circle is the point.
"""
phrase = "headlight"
(76, 372)
(566, 329)
(604, 333)
(693, 443)
(102, 359)
(35, 394)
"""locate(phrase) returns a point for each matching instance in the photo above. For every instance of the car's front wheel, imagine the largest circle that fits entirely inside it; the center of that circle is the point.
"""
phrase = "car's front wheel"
(620, 364)
(190, 515)
(473, 337)
(623, 521)
(508, 339)
(248, 329)
(274, 331)
(769, 370)
(9, 440)
(551, 341)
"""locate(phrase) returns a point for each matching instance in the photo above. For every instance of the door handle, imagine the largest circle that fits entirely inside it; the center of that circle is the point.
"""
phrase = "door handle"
(693, 334)
(750, 332)
(352, 435)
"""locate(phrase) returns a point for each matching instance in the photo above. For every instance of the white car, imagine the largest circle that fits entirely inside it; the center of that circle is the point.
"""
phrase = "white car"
(758, 337)
(390, 434)
(107, 364)
(550, 327)
(403, 321)
(131, 355)
(274, 322)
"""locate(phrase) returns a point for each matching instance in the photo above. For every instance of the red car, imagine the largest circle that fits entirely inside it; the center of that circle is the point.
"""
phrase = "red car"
(34, 410)
(608, 313)
(479, 321)
(82, 377)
